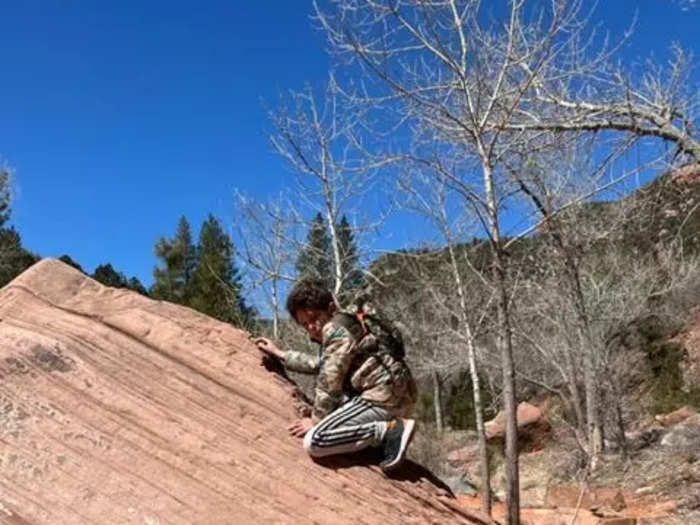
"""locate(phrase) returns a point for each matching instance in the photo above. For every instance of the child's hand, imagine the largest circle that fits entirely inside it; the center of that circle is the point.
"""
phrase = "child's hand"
(268, 347)
(300, 427)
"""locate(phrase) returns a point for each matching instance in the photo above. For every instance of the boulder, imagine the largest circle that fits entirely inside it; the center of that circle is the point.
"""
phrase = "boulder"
(116, 408)
(559, 516)
(527, 414)
(685, 435)
(675, 417)
(644, 437)
(461, 484)
(567, 496)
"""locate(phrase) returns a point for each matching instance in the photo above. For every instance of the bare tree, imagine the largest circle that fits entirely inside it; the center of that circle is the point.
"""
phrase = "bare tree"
(486, 86)
(589, 279)
(320, 137)
(429, 195)
(268, 249)
(564, 179)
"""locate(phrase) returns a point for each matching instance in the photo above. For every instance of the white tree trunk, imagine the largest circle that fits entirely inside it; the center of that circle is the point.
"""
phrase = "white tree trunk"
(485, 487)
(505, 345)
(275, 311)
(437, 401)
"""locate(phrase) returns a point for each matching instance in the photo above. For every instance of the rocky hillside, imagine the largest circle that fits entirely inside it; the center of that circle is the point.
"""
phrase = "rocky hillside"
(118, 409)
(639, 274)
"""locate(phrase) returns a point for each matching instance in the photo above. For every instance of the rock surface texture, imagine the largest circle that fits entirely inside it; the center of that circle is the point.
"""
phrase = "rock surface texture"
(115, 408)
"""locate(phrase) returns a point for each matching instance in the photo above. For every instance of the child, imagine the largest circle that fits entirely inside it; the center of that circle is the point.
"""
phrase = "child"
(363, 392)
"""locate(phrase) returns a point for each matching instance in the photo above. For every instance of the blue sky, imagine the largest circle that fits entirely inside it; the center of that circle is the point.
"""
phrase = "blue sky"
(118, 117)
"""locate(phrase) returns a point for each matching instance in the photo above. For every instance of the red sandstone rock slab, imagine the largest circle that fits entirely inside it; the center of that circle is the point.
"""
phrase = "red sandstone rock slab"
(546, 516)
(675, 417)
(568, 496)
(527, 414)
(648, 507)
(115, 408)
(640, 509)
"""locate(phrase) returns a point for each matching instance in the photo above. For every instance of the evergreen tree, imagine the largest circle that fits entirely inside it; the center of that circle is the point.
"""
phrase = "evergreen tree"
(69, 261)
(189, 253)
(315, 259)
(164, 276)
(136, 285)
(216, 285)
(5, 195)
(172, 280)
(349, 260)
(107, 275)
(14, 259)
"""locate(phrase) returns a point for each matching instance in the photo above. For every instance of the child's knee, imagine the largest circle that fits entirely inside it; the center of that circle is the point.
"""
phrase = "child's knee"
(310, 444)
(313, 446)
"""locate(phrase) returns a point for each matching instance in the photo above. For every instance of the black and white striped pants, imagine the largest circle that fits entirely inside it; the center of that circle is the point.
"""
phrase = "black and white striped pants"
(356, 425)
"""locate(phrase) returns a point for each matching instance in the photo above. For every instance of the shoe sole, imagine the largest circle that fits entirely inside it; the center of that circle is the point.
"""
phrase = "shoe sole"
(408, 431)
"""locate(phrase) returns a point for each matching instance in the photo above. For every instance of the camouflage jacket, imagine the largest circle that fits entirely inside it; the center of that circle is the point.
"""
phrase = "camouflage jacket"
(302, 362)
(352, 363)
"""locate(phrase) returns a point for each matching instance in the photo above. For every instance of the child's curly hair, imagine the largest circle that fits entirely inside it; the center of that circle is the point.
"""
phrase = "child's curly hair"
(308, 294)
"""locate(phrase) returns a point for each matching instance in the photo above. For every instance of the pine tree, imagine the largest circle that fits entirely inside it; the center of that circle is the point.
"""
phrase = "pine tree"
(14, 259)
(5, 195)
(69, 261)
(185, 244)
(136, 285)
(172, 280)
(216, 284)
(107, 275)
(164, 276)
(315, 258)
(349, 260)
